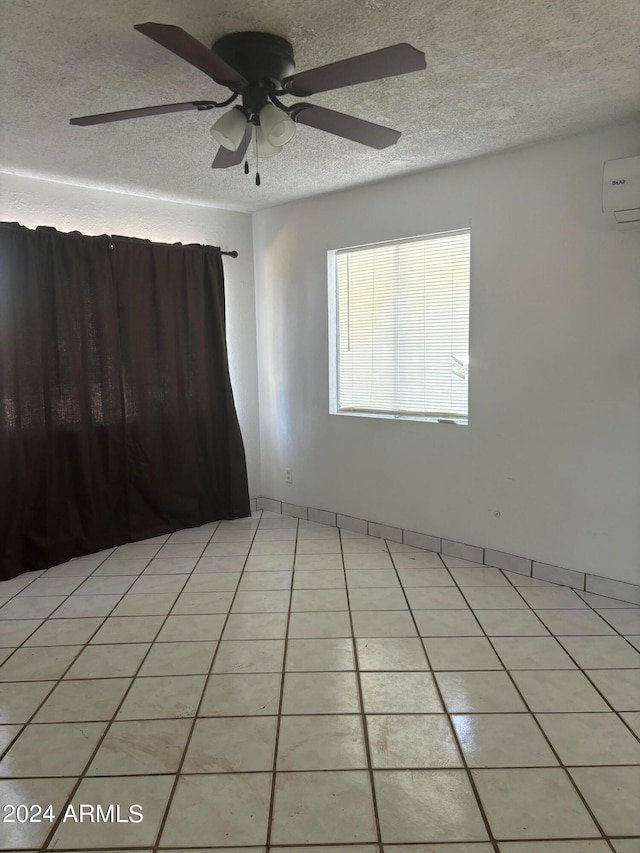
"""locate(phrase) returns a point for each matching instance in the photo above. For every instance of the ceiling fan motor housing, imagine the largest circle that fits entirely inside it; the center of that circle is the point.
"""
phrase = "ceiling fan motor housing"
(259, 57)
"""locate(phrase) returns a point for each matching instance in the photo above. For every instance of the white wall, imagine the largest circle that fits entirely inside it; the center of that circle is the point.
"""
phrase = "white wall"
(34, 202)
(554, 435)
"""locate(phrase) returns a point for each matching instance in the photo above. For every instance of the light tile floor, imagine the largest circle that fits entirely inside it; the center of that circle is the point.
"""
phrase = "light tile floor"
(270, 683)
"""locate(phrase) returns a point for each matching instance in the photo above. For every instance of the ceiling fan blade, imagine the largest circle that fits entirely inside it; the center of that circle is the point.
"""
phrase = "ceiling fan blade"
(225, 158)
(341, 124)
(386, 62)
(189, 48)
(101, 118)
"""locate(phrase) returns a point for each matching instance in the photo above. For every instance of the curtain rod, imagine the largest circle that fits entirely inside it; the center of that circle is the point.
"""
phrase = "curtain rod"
(232, 254)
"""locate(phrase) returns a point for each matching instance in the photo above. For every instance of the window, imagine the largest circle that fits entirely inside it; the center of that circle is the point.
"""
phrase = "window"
(400, 328)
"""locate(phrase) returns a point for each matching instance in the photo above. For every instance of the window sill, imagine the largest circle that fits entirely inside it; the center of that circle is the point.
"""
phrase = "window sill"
(429, 419)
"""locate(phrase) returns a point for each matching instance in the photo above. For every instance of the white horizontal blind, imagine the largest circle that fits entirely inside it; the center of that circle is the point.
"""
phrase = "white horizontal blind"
(403, 327)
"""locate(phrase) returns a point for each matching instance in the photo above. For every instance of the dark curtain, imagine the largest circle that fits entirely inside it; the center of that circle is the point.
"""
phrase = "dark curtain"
(117, 419)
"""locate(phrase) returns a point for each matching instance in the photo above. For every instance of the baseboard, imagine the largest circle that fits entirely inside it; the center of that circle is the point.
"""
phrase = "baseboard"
(528, 566)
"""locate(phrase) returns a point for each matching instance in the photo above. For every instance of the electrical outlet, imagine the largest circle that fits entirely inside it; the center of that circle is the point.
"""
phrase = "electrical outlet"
(287, 475)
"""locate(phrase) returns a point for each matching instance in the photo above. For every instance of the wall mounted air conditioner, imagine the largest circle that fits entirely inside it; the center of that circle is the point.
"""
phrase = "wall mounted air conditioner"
(621, 189)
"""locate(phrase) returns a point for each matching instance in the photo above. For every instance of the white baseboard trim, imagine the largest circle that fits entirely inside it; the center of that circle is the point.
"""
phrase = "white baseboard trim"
(529, 566)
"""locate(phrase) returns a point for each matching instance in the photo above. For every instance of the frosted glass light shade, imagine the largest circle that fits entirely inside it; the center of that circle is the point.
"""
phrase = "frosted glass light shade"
(229, 130)
(265, 149)
(276, 125)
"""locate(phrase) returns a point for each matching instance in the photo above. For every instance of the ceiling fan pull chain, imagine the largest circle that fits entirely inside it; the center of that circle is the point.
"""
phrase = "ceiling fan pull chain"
(255, 140)
(246, 153)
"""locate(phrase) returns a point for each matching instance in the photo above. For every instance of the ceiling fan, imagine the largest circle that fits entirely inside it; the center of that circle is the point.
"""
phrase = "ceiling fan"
(259, 68)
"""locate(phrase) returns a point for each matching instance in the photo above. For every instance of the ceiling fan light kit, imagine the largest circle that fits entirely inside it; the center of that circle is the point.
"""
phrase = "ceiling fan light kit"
(229, 129)
(264, 148)
(259, 69)
(276, 125)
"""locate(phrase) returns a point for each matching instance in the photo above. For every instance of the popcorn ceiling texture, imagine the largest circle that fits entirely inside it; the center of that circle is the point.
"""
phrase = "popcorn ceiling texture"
(500, 74)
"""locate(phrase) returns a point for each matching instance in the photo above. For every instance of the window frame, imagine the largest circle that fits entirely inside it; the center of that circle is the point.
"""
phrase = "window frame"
(334, 342)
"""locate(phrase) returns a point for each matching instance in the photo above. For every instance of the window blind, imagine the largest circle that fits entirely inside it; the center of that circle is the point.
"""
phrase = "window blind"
(403, 327)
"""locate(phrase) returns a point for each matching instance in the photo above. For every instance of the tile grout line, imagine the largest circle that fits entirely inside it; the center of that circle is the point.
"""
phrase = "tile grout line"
(395, 769)
(55, 681)
(66, 598)
(178, 771)
(274, 771)
(463, 758)
(534, 717)
(363, 716)
(328, 846)
(579, 668)
(41, 573)
(333, 845)
(309, 671)
(341, 713)
(585, 672)
(57, 823)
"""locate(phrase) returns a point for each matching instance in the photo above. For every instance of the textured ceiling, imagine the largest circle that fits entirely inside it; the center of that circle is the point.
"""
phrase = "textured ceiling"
(500, 74)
